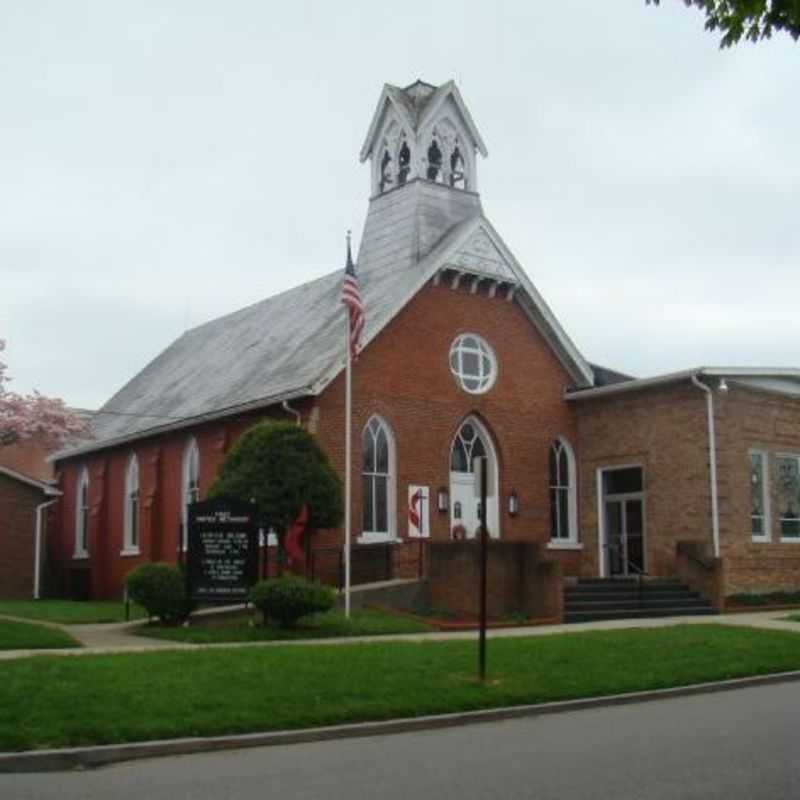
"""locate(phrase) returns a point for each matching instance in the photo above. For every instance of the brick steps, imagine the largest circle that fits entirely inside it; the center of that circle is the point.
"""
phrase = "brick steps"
(596, 599)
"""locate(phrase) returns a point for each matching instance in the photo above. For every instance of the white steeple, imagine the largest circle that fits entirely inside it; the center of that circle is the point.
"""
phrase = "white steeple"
(422, 131)
(423, 147)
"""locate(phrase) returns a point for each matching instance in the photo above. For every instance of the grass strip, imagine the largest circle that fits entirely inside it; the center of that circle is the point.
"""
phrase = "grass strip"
(55, 701)
(22, 636)
(69, 612)
(768, 599)
(320, 626)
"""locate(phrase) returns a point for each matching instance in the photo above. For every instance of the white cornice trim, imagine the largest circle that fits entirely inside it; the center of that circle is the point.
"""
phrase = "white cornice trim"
(537, 309)
(686, 374)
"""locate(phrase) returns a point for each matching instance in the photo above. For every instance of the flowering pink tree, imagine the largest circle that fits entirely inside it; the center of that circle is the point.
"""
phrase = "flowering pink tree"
(23, 416)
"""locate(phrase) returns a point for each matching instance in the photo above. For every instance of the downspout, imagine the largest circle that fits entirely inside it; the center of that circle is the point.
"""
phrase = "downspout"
(289, 410)
(37, 550)
(712, 457)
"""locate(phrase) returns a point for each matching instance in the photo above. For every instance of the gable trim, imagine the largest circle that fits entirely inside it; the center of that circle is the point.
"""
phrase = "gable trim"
(536, 310)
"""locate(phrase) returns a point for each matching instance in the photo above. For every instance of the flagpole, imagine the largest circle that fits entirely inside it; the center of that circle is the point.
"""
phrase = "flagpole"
(348, 456)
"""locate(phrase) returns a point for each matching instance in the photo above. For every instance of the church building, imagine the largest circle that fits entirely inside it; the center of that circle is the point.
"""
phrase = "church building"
(694, 474)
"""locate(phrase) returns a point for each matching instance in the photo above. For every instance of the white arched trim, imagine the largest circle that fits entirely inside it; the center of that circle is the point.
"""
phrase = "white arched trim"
(379, 482)
(82, 515)
(131, 517)
(563, 481)
(190, 485)
(463, 503)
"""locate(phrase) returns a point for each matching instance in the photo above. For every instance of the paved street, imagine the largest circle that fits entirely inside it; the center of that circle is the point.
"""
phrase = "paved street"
(734, 745)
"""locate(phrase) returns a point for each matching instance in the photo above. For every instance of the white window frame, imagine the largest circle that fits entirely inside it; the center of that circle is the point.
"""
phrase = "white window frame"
(571, 541)
(132, 514)
(782, 538)
(82, 516)
(189, 493)
(483, 349)
(389, 535)
(764, 456)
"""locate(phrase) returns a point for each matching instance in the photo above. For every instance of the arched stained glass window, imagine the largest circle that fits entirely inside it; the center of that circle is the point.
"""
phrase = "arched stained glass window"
(377, 473)
(467, 446)
(82, 515)
(563, 524)
(190, 485)
(130, 542)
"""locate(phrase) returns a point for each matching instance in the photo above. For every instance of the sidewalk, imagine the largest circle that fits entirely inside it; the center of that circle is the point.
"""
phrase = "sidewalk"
(119, 637)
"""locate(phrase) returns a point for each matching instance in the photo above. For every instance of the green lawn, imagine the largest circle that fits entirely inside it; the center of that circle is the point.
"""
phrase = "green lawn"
(57, 701)
(320, 626)
(769, 599)
(22, 636)
(69, 612)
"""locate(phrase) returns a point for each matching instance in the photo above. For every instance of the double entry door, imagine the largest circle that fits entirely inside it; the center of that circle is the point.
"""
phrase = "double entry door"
(625, 535)
(622, 509)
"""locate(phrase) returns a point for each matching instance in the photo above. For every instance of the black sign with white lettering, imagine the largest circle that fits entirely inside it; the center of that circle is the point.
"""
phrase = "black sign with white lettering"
(222, 551)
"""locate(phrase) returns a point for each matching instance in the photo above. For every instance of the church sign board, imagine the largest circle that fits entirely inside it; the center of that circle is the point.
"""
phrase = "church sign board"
(222, 551)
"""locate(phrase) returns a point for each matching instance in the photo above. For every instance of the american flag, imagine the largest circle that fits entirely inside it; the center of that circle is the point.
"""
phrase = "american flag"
(351, 297)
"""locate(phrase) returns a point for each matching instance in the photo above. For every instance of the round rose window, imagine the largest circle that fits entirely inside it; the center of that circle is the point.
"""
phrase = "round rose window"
(473, 364)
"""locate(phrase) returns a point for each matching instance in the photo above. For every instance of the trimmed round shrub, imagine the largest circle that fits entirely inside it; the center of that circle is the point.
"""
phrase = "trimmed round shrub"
(286, 600)
(160, 589)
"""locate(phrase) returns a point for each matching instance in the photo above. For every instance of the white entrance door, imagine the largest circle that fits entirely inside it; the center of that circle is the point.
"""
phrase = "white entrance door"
(470, 442)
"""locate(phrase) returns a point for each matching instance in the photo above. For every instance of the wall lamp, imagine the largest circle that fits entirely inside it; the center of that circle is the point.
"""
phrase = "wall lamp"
(443, 499)
(513, 503)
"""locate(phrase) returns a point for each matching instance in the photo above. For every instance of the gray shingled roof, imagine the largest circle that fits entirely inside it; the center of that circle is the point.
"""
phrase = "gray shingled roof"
(281, 347)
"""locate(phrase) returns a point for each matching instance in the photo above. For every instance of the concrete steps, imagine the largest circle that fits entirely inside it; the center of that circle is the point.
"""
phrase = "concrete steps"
(592, 599)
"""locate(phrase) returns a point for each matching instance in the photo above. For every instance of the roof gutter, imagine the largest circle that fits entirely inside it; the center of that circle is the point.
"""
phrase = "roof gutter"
(712, 461)
(186, 422)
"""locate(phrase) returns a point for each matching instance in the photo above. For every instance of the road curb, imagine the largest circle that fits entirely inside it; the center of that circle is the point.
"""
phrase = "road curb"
(92, 757)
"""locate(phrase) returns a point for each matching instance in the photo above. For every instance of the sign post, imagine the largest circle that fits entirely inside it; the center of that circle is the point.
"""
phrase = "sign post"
(484, 542)
(222, 551)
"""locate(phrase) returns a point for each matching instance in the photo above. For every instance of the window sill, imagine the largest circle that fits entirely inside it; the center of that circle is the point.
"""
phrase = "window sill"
(376, 538)
(557, 545)
(760, 539)
(791, 540)
(130, 551)
(82, 556)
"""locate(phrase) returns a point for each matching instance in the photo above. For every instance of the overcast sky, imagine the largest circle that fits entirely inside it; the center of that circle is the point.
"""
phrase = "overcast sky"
(162, 163)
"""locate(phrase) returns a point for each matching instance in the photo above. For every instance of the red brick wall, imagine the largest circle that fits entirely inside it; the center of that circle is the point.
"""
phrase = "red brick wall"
(663, 430)
(748, 419)
(160, 485)
(405, 377)
(18, 503)
(29, 458)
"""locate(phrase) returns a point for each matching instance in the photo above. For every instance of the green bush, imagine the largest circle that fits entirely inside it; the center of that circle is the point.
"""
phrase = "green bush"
(280, 467)
(287, 599)
(160, 589)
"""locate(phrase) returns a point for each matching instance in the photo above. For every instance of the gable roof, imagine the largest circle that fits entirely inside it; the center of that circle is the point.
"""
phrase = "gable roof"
(415, 105)
(292, 344)
(43, 486)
